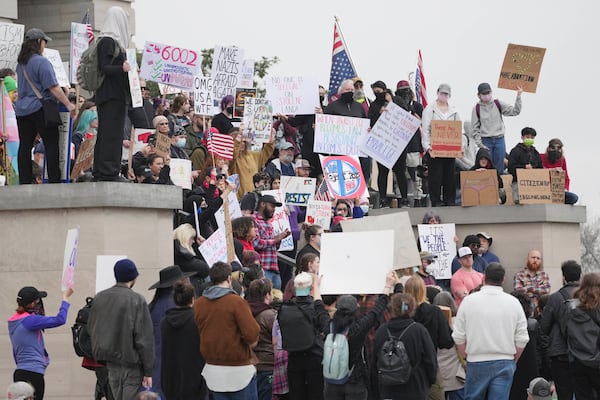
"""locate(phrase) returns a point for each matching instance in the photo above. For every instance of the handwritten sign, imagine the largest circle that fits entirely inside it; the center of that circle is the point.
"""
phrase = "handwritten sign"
(521, 67)
(446, 139)
(166, 89)
(293, 95)
(280, 221)
(534, 186)
(319, 213)
(59, 69)
(11, 38)
(557, 185)
(214, 248)
(344, 176)
(70, 254)
(79, 44)
(170, 65)
(204, 102)
(181, 172)
(226, 70)
(240, 100)
(390, 135)
(335, 134)
(85, 157)
(438, 239)
(296, 190)
(479, 188)
(163, 145)
(258, 120)
(247, 75)
(134, 80)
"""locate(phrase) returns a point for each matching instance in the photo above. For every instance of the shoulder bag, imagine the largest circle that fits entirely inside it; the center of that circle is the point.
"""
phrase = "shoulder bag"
(50, 106)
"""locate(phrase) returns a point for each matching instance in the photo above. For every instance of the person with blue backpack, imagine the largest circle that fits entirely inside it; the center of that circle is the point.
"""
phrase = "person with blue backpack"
(344, 368)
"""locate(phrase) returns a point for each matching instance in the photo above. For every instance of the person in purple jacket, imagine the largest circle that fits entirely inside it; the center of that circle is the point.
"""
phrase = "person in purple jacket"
(25, 328)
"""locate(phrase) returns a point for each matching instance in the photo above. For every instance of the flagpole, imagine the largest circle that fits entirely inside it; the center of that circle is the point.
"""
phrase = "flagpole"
(345, 46)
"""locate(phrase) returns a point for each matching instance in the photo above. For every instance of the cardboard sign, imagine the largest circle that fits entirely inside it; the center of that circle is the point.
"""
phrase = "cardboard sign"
(348, 269)
(258, 120)
(163, 145)
(59, 69)
(247, 75)
(438, 239)
(181, 172)
(293, 95)
(557, 185)
(390, 135)
(85, 158)
(170, 65)
(240, 100)
(280, 221)
(479, 188)
(204, 103)
(134, 80)
(406, 253)
(214, 248)
(344, 176)
(297, 191)
(11, 38)
(534, 186)
(521, 67)
(446, 139)
(79, 44)
(70, 254)
(319, 213)
(335, 134)
(105, 275)
(226, 70)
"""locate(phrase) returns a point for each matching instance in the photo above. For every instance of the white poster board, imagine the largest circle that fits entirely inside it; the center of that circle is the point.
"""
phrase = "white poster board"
(234, 210)
(406, 253)
(226, 70)
(319, 213)
(59, 69)
(204, 102)
(297, 191)
(280, 221)
(356, 262)
(105, 271)
(170, 65)
(214, 248)
(438, 239)
(293, 95)
(247, 75)
(11, 38)
(134, 80)
(335, 134)
(69, 256)
(390, 135)
(79, 44)
(181, 172)
(258, 120)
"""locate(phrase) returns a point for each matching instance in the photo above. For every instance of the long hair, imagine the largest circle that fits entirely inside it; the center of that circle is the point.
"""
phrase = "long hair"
(342, 319)
(184, 233)
(29, 48)
(242, 226)
(85, 120)
(415, 286)
(305, 261)
(588, 292)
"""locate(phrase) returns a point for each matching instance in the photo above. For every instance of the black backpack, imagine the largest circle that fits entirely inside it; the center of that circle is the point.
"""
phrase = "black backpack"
(297, 330)
(583, 336)
(82, 343)
(393, 364)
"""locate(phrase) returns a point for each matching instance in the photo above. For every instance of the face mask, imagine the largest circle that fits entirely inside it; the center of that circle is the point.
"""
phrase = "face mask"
(347, 97)
(443, 97)
(553, 155)
(229, 110)
(486, 98)
(380, 97)
(364, 208)
(429, 269)
(528, 142)
(181, 142)
(415, 269)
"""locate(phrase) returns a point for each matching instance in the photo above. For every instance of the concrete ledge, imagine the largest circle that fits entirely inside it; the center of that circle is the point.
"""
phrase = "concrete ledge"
(89, 195)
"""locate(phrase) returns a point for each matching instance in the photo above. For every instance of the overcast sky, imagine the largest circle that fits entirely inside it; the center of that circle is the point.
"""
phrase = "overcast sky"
(463, 43)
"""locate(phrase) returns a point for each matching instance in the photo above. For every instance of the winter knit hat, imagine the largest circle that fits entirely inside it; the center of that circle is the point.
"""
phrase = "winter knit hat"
(125, 270)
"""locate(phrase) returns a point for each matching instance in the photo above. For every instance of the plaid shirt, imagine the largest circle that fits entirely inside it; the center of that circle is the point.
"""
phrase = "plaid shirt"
(537, 283)
(265, 245)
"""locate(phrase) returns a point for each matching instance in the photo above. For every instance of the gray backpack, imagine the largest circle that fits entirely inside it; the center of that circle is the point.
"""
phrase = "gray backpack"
(89, 76)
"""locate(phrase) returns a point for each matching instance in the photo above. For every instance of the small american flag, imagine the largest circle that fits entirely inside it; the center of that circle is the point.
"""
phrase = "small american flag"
(420, 85)
(90, 31)
(341, 64)
(220, 145)
(323, 192)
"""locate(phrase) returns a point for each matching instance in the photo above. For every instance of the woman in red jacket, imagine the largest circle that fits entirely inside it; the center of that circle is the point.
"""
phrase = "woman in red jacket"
(553, 158)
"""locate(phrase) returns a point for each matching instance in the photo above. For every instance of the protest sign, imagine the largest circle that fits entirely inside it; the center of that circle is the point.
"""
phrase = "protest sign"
(521, 67)
(204, 102)
(258, 120)
(134, 80)
(85, 158)
(59, 69)
(534, 186)
(297, 191)
(64, 142)
(11, 38)
(446, 139)
(163, 145)
(226, 70)
(170, 65)
(438, 239)
(247, 75)
(293, 95)
(280, 221)
(557, 185)
(79, 44)
(406, 253)
(166, 89)
(240, 100)
(214, 248)
(348, 269)
(105, 274)
(234, 210)
(335, 134)
(479, 188)
(70, 254)
(319, 213)
(390, 135)
(344, 176)
(181, 172)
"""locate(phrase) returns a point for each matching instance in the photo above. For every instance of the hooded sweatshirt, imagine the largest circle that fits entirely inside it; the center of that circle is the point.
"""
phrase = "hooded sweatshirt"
(265, 315)
(484, 153)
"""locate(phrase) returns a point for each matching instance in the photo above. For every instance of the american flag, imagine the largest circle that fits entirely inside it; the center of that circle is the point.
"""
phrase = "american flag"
(90, 31)
(420, 85)
(220, 145)
(323, 192)
(341, 64)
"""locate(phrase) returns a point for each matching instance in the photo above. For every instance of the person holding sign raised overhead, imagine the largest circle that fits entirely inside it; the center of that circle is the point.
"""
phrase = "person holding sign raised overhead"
(441, 169)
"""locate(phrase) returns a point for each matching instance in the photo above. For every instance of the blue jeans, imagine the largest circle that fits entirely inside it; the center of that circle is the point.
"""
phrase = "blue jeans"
(493, 377)
(497, 149)
(247, 393)
(456, 394)
(274, 277)
(264, 385)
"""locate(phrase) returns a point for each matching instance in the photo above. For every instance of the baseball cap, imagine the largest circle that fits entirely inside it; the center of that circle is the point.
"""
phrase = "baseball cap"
(347, 303)
(485, 236)
(302, 283)
(285, 146)
(402, 84)
(302, 163)
(425, 255)
(28, 295)
(37, 33)
(444, 88)
(539, 389)
(464, 251)
(484, 88)
(267, 198)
